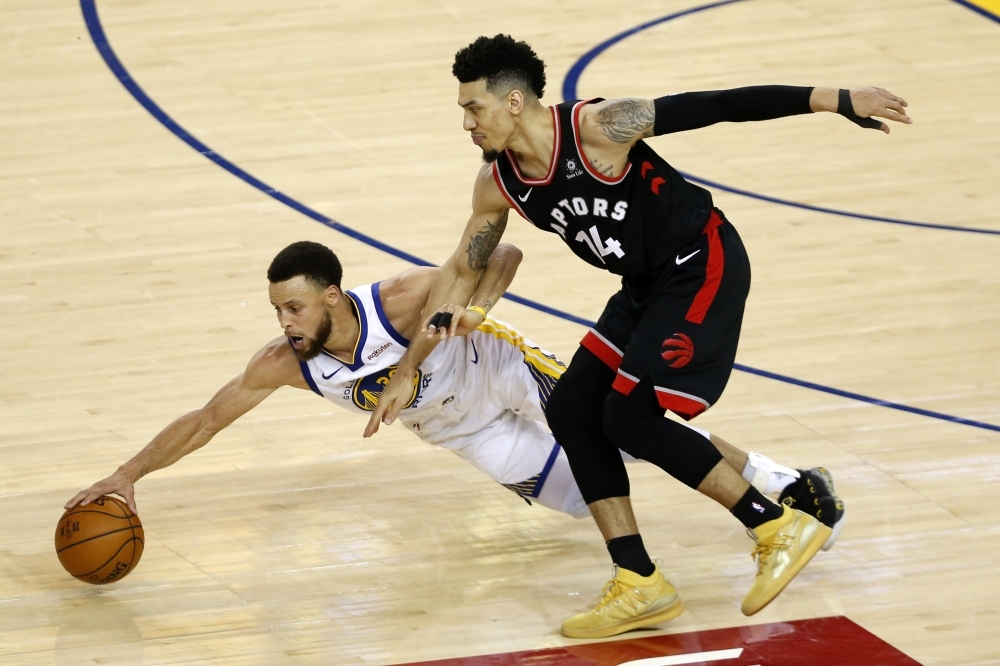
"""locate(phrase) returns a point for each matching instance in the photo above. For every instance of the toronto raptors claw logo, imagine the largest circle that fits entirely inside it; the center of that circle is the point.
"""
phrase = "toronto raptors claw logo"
(678, 350)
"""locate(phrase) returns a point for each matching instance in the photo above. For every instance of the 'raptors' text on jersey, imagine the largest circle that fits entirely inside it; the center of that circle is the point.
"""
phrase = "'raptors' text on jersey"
(630, 225)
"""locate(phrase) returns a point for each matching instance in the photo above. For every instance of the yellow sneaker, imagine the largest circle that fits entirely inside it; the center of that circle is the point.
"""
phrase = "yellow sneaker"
(629, 601)
(784, 546)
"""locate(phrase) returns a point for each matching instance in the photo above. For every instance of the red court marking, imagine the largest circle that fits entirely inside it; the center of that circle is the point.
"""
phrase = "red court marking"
(825, 641)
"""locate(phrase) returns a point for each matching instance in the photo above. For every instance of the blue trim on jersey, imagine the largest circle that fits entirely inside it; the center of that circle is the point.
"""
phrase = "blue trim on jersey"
(358, 359)
(545, 470)
(306, 374)
(393, 333)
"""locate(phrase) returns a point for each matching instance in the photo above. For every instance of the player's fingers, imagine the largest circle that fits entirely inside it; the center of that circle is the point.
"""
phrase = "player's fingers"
(390, 414)
(76, 499)
(373, 422)
(895, 115)
(89, 495)
(453, 329)
(432, 324)
(128, 493)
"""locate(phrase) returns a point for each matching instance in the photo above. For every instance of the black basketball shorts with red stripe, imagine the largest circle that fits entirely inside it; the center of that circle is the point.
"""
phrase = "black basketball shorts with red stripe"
(683, 328)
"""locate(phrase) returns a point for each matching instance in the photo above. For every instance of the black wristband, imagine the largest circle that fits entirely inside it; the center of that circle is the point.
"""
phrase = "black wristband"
(846, 109)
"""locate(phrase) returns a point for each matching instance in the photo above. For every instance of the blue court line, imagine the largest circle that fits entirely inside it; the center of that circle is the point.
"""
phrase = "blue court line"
(100, 40)
(572, 80)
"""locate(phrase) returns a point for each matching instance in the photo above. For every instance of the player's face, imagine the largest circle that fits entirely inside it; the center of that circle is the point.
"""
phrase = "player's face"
(487, 118)
(303, 315)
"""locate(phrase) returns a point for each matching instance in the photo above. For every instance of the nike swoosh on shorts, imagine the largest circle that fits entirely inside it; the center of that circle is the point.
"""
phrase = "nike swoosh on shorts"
(680, 261)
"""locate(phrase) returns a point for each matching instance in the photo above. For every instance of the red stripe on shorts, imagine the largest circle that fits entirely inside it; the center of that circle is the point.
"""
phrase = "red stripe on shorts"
(624, 382)
(682, 404)
(713, 272)
(602, 349)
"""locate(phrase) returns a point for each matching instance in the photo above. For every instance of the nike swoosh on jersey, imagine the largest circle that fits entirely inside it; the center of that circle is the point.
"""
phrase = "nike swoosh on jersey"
(526, 195)
(332, 373)
(681, 260)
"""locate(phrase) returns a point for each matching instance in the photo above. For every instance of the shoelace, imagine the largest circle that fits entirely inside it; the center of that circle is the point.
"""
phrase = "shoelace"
(615, 591)
(762, 551)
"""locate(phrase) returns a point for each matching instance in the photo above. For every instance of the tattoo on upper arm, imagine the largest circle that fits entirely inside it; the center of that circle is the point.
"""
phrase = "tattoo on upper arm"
(481, 245)
(624, 120)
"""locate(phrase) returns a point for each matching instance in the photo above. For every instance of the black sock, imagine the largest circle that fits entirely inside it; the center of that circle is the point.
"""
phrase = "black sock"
(753, 509)
(629, 553)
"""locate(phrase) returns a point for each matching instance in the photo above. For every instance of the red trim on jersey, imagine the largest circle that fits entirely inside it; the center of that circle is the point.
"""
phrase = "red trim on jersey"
(557, 141)
(583, 158)
(683, 404)
(595, 343)
(713, 272)
(624, 382)
(506, 194)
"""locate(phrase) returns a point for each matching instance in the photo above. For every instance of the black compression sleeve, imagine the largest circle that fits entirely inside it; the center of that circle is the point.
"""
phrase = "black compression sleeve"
(688, 111)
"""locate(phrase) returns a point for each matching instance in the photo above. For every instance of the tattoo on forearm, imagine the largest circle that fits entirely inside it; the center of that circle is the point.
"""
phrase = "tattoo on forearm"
(625, 119)
(487, 305)
(481, 245)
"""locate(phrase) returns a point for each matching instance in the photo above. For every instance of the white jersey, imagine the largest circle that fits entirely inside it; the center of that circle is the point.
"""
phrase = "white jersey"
(482, 396)
(358, 384)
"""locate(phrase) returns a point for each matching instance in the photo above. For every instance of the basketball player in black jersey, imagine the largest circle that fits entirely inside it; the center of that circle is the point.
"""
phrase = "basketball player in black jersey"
(667, 340)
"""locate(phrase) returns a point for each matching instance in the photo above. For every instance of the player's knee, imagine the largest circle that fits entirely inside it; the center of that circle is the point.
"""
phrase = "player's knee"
(558, 409)
(621, 416)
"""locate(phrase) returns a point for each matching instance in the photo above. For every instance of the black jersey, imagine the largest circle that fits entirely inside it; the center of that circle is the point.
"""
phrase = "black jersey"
(630, 225)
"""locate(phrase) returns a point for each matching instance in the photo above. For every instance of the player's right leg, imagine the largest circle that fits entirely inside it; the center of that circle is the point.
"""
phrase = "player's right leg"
(638, 595)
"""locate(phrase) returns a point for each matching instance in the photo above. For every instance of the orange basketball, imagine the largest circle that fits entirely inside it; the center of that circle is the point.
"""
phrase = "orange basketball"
(101, 542)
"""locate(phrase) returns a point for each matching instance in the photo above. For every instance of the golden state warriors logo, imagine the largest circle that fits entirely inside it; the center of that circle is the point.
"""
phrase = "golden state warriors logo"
(366, 390)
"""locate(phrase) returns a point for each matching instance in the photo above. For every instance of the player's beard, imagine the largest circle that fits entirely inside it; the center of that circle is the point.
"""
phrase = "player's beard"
(490, 156)
(313, 346)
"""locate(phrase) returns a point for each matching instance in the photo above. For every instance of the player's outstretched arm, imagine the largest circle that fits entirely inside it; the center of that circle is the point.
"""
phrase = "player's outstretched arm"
(456, 282)
(266, 372)
(626, 121)
(451, 319)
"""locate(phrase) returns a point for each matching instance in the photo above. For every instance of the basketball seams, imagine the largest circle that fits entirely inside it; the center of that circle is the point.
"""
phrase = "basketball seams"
(108, 561)
(105, 513)
(97, 536)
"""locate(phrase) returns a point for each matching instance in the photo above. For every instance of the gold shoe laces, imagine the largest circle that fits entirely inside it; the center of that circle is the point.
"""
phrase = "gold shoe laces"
(762, 551)
(615, 591)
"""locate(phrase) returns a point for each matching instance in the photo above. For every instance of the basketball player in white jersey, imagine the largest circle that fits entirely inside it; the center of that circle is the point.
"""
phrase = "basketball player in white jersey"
(481, 394)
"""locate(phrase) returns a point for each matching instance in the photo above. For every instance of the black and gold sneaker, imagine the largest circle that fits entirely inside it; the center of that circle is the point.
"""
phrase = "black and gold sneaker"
(813, 493)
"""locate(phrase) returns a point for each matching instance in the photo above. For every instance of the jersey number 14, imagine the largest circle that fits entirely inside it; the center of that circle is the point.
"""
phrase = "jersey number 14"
(599, 247)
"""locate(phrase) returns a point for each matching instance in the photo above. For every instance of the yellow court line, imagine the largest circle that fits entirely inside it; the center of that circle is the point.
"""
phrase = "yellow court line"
(992, 6)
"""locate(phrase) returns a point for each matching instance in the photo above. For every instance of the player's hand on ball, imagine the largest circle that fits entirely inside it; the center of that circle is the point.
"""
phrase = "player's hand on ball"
(452, 320)
(879, 103)
(118, 483)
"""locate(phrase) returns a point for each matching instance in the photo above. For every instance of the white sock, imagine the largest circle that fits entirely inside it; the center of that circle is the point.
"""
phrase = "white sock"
(766, 475)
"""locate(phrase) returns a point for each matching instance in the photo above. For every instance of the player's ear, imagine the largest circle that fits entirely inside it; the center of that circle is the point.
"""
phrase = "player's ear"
(332, 295)
(515, 101)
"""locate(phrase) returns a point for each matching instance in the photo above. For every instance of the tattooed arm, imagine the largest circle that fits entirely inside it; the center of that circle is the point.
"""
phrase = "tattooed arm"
(456, 283)
(621, 122)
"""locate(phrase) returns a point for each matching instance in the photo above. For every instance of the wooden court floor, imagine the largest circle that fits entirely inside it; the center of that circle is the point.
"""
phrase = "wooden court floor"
(132, 286)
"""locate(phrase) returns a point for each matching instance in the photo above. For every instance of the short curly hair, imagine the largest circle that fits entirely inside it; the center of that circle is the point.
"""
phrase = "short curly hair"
(504, 63)
(316, 263)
